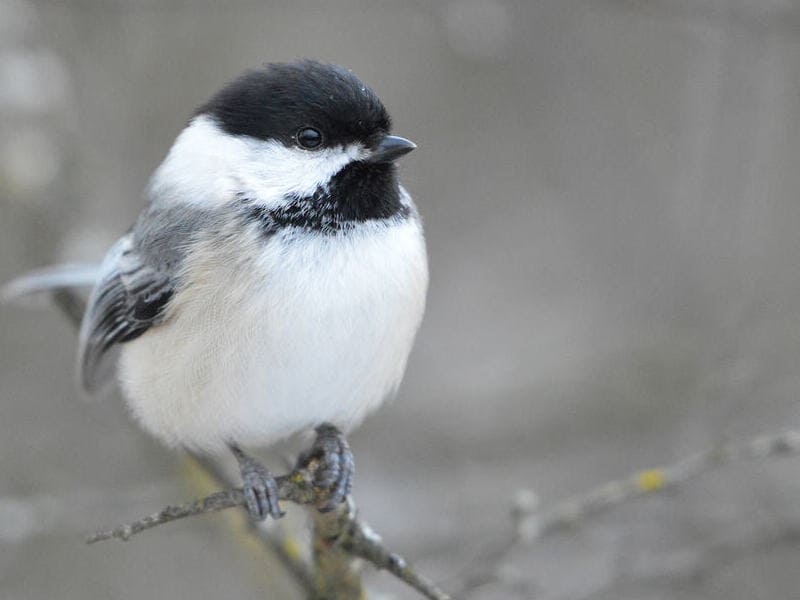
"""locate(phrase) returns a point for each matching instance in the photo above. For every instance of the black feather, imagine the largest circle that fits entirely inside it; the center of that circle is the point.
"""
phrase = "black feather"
(130, 298)
(276, 101)
(358, 193)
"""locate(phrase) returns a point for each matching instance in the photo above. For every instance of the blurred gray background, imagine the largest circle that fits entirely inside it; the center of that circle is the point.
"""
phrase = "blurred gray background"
(610, 191)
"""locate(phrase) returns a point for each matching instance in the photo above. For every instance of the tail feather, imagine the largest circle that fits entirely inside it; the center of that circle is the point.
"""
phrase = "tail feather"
(49, 279)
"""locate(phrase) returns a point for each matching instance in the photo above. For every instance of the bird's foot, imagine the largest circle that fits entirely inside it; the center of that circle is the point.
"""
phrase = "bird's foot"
(331, 461)
(259, 487)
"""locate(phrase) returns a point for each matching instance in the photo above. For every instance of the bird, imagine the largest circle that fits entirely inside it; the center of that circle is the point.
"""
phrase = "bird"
(273, 283)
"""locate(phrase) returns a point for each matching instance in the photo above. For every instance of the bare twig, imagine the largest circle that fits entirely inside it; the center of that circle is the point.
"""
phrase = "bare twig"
(568, 514)
(343, 530)
(531, 524)
(365, 543)
(215, 502)
(296, 487)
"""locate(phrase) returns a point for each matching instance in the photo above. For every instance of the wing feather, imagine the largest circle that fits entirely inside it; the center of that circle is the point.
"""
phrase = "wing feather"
(130, 297)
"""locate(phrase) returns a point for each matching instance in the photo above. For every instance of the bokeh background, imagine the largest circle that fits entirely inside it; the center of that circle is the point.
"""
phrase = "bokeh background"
(610, 191)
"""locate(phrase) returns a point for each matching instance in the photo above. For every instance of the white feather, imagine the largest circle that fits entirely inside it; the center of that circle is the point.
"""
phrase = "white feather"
(271, 339)
(208, 167)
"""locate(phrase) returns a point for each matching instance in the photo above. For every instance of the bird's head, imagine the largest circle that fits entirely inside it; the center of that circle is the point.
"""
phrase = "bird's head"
(287, 133)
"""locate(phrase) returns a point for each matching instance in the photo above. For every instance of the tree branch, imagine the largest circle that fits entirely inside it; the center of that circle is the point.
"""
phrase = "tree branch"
(570, 513)
(531, 524)
(342, 530)
(212, 503)
(296, 487)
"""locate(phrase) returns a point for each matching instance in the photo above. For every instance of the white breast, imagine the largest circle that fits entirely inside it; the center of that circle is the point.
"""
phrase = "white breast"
(310, 328)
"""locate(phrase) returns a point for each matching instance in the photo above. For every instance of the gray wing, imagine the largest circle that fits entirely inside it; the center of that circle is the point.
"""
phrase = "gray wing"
(129, 298)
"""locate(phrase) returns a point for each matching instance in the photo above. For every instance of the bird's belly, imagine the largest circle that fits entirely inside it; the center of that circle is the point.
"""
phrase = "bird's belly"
(258, 351)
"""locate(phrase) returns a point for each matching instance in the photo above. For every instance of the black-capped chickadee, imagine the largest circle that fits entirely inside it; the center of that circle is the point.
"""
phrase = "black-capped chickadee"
(274, 283)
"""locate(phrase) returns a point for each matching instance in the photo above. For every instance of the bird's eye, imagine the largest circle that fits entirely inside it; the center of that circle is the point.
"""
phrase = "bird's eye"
(309, 138)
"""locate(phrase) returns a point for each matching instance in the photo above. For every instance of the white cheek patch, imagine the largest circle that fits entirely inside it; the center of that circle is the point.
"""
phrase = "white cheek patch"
(276, 171)
(209, 167)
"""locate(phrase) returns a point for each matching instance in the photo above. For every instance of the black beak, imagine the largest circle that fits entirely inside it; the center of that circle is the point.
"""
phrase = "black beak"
(391, 148)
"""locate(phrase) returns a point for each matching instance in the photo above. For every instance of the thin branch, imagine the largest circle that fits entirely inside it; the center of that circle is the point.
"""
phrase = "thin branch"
(346, 531)
(531, 524)
(365, 543)
(343, 529)
(296, 487)
(602, 498)
(212, 503)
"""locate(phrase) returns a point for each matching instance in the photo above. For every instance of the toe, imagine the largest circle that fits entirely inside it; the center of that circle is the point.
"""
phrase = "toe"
(335, 465)
(259, 487)
(255, 504)
(271, 505)
(330, 473)
(340, 478)
(261, 496)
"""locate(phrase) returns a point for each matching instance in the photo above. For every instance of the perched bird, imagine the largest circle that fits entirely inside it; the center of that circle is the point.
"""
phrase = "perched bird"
(275, 281)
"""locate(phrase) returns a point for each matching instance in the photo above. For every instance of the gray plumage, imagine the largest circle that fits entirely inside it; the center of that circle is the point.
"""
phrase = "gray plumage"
(139, 276)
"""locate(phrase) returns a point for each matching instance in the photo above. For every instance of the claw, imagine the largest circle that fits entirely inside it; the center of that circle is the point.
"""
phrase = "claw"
(336, 465)
(259, 487)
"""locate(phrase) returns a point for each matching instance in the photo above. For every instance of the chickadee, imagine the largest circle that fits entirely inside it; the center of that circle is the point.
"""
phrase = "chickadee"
(274, 283)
